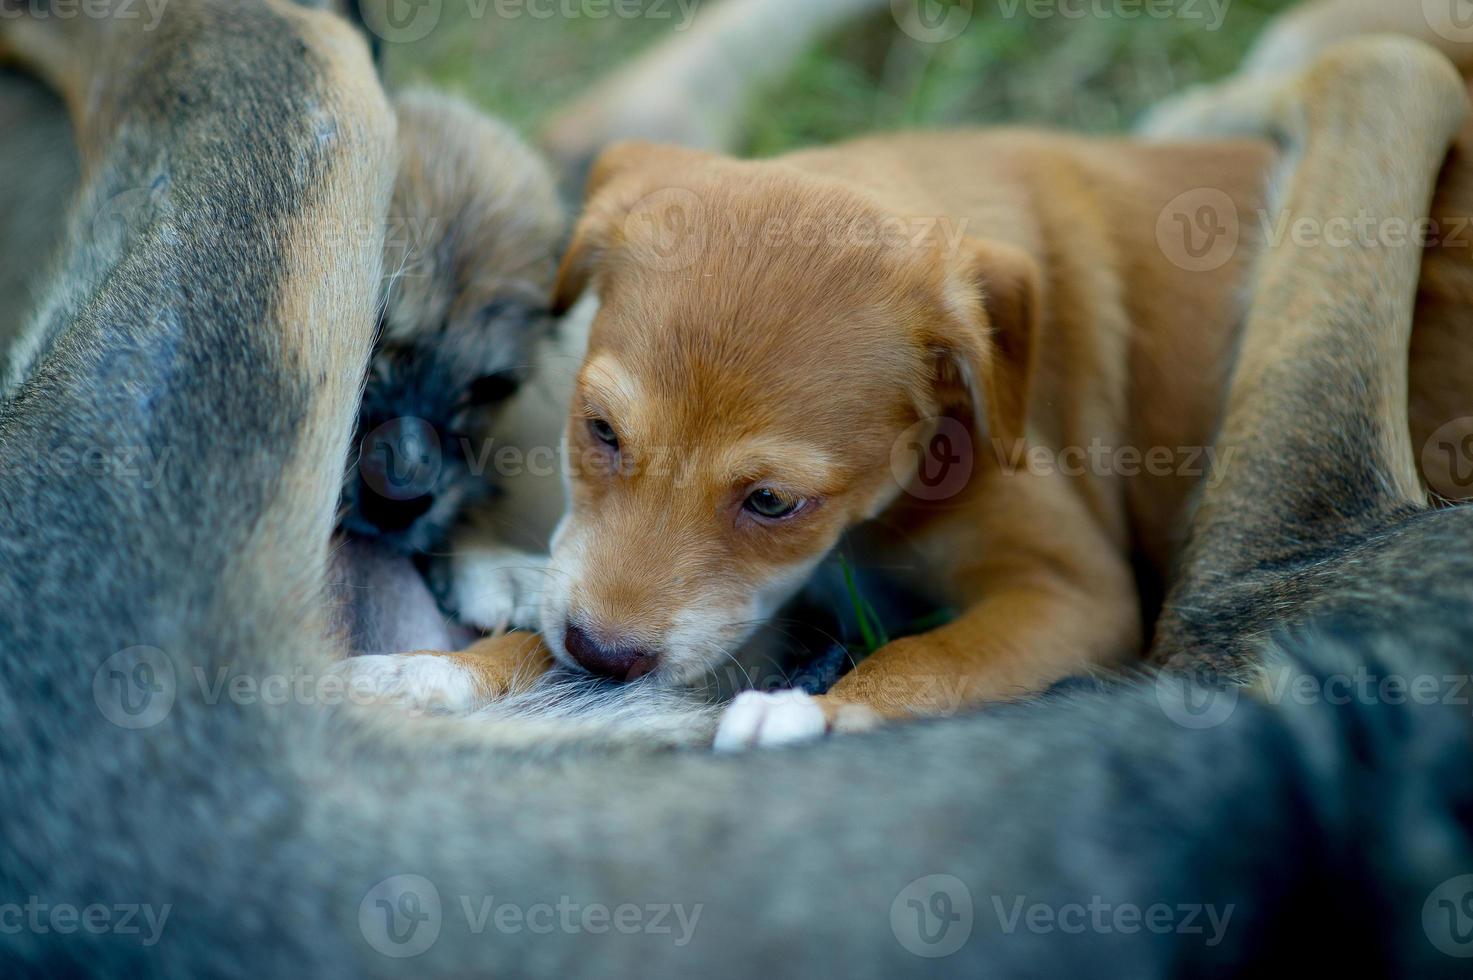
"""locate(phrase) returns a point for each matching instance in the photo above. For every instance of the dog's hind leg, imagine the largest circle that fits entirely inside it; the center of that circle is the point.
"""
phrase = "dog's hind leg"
(1316, 430)
(691, 88)
(193, 375)
(1296, 36)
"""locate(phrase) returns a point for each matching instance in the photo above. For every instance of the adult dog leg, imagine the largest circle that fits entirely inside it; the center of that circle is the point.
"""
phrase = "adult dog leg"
(1317, 415)
(194, 371)
(690, 89)
(1243, 103)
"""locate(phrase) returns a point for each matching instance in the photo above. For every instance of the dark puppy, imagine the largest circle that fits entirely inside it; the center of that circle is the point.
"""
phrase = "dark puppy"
(468, 265)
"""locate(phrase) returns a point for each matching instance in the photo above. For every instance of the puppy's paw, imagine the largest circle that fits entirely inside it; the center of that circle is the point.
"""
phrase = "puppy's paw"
(758, 719)
(414, 681)
(496, 590)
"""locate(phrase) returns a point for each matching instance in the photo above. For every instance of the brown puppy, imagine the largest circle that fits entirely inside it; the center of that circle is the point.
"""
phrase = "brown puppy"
(759, 324)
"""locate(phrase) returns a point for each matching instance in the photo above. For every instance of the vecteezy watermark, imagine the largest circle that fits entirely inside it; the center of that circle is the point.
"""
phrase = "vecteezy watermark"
(138, 687)
(124, 215)
(401, 916)
(1447, 917)
(1210, 13)
(151, 11)
(934, 459)
(401, 459)
(1018, 912)
(938, 21)
(1363, 229)
(1199, 699)
(135, 687)
(933, 21)
(932, 916)
(1208, 463)
(1451, 19)
(404, 915)
(144, 466)
(405, 21)
(669, 229)
(142, 922)
(1196, 698)
(1447, 459)
(1198, 229)
(408, 241)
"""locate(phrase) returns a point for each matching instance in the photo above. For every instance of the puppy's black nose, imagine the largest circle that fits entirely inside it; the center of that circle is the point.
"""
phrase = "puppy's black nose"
(392, 516)
(399, 465)
(615, 663)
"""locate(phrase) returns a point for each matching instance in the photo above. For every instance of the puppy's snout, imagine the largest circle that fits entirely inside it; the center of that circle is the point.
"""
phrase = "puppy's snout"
(619, 662)
(399, 467)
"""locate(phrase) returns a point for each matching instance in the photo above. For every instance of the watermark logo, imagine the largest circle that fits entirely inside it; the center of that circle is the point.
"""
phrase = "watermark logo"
(1198, 230)
(142, 923)
(401, 459)
(150, 11)
(933, 459)
(400, 916)
(1195, 699)
(1447, 917)
(668, 224)
(145, 466)
(1098, 916)
(122, 217)
(932, 916)
(401, 21)
(1210, 13)
(933, 21)
(1450, 19)
(135, 688)
(1447, 459)
(403, 916)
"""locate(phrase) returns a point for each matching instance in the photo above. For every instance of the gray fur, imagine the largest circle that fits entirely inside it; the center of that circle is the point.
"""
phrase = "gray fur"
(264, 827)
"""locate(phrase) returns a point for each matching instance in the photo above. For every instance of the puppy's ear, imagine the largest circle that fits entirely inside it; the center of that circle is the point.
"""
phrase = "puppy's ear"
(624, 174)
(987, 348)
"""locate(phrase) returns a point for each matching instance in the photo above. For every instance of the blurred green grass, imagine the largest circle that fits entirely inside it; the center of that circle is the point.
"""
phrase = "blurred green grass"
(1088, 73)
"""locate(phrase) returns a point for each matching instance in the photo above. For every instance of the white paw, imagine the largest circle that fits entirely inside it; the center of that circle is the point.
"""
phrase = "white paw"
(417, 681)
(780, 718)
(499, 590)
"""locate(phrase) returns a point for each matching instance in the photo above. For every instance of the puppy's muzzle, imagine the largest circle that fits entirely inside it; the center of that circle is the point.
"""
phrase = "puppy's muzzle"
(398, 469)
(618, 661)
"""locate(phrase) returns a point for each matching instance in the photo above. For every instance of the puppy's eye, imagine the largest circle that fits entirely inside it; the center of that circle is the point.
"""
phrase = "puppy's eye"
(772, 505)
(492, 388)
(604, 433)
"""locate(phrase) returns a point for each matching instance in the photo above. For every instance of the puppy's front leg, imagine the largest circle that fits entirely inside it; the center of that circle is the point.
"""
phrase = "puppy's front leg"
(1015, 643)
(491, 588)
(495, 588)
(450, 682)
(1057, 600)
